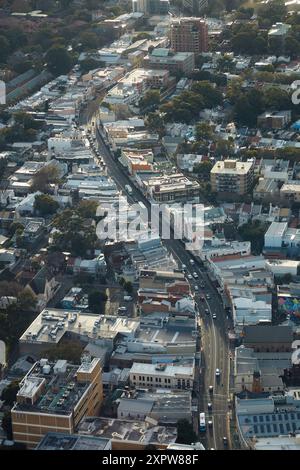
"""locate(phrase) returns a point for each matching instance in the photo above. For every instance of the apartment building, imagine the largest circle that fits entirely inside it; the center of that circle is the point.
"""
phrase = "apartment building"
(189, 35)
(174, 62)
(162, 376)
(232, 176)
(54, 397)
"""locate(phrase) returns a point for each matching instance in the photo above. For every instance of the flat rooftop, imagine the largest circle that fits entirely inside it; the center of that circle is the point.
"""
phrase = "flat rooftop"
(139, 432)
(161, 369)
(60, 441)
(51, 325)
(58, 393)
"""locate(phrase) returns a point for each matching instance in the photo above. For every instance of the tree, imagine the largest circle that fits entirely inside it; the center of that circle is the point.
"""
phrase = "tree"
(254, 232)
(70, 350)
(89, 40)
(59, 61)
(155, 123)
(45, 204)
(74, 234)
(211, 96)
(96, 301)
(203, 169)
(128, 287)
(204, 131)
(4, 48)
(292, 46)
(87, 209)
(90, 64)
(42, 180)
(7, 424)
(185, 432)
(26, 300)
(9, 393)
(150, 99)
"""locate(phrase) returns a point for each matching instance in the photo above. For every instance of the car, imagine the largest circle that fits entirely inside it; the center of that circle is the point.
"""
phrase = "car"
(195, 275)
(202, 298)
(207, 311)
(183, 266)
(218, 373)
(225, 441)
(214, 316)
(211, 389)
(202, 285)
(209, 406)
(207, 296)
(196, 288)
(192, 262)
(210, 424)
(190, 276)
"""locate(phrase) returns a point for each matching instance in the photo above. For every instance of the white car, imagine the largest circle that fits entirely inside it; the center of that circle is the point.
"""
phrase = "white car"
(218, 373)
(192, 262)
(214, 316)
(190, 276)
(196, 288)
(195, 275)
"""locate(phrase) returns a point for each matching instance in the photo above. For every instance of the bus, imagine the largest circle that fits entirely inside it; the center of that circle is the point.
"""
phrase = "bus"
(128, 188)
(202, 424)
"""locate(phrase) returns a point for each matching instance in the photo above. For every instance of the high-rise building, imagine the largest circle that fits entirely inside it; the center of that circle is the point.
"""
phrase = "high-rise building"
(151, 7)
(54, 397)
(232, 176)
(189, 35)
(195, 7)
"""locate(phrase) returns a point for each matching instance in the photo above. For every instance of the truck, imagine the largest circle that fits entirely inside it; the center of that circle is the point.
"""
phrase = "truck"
(127, 298)
(128, 188)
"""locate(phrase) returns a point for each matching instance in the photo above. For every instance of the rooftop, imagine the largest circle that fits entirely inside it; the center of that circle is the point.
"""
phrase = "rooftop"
(51, 388)
(139, 432)
(60, 441)
(51, 325)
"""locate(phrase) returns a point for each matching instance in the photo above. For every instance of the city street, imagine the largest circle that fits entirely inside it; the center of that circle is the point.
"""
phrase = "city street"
(215, 350)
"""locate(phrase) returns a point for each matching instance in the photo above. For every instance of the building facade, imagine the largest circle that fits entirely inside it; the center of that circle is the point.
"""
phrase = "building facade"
(189, 35)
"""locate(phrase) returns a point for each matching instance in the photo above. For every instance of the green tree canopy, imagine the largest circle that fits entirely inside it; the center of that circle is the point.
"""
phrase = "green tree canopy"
(58, 59)
(45, 204)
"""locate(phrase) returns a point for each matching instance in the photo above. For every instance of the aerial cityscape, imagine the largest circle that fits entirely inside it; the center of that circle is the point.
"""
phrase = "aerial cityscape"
(150, 225)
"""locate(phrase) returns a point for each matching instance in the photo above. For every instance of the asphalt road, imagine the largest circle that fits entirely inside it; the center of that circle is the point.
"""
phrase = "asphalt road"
(214, 338)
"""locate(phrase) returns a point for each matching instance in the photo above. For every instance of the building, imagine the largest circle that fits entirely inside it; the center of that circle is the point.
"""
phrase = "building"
(129, 435)
(290, 191)
(151, 7)
(289, 442)
(59, 441)
(174, 62)
(264, 338)
(259, 372)
(189, 35)
(232, 176)
(172, 188)
(54, 397)
(274, 120)
(263, 417)
(155, 376)
(166, 407)
(52, 325)
(195, 7)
